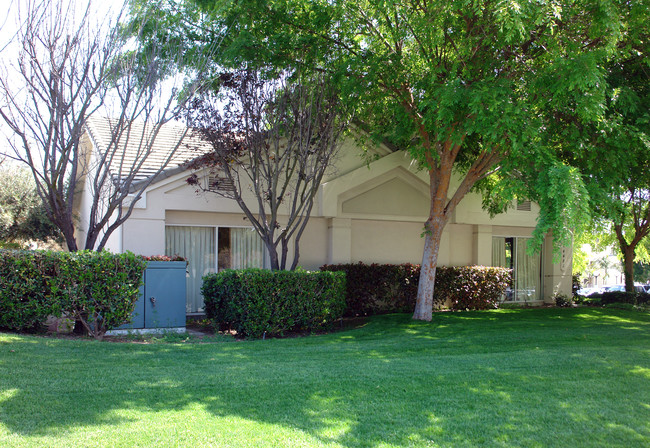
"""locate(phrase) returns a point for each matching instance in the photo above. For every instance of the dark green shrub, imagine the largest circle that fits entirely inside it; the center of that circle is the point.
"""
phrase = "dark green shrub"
(643, 298)
(378, 289)
(633, 298)
(563, 301)
(256, 302)
(25, 301)
(575, 284)
(99, 289)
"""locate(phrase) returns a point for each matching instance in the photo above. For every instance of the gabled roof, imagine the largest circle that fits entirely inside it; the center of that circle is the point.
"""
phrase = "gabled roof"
(139, 143)
(134, 143)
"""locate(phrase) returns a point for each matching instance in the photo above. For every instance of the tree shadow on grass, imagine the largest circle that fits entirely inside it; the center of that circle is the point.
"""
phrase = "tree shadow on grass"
(394, 382)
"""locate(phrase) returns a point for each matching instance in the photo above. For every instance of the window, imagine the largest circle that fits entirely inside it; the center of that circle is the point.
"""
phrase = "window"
(209, 249)
(511, 252)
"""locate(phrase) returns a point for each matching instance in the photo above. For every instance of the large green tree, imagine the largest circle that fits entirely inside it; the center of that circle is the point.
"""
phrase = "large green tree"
(467, 87)
(617, 166)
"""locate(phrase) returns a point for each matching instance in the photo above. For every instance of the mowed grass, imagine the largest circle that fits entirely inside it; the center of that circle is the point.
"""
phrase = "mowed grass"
(521, 378)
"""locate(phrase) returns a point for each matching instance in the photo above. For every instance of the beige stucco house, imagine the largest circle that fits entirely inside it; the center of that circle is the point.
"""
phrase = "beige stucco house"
(365, 212)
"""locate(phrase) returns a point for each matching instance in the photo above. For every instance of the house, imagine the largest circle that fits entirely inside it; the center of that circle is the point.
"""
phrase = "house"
(603, 267)
(364, 212)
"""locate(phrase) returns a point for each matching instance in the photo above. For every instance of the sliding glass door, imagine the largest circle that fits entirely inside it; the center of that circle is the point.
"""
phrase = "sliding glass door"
(208, 249)
(511, 252)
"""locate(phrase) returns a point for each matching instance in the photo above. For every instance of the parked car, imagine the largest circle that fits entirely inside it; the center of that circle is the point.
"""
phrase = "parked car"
(589, 291)
(637, 287)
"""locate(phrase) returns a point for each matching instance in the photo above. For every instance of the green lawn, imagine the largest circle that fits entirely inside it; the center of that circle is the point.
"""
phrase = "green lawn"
(542, 377)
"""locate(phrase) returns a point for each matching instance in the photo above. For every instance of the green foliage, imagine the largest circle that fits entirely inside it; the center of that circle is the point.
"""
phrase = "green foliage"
(471, 287)
(25, 298)
(575, 283)
(386, 288)
(642, 272)
(258, 302)
(615, 151)
(633, 298)
(466, 88)
(22, 212)
(618, 297)
(378, 288)
(563, 301)
(98, 288)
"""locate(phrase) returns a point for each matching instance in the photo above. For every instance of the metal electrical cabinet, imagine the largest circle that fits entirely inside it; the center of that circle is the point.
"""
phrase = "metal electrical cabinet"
(162, 297)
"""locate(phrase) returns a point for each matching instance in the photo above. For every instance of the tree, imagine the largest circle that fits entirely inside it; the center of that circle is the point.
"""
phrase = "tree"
(67, 71)
(276, 137)
(466, 87)
(642, 272)
(617, 167)
(22, 214)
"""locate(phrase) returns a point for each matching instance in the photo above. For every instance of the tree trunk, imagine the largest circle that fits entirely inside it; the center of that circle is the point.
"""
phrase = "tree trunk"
(424, 301)
(628, 267)
(68, 235)
(273, 255)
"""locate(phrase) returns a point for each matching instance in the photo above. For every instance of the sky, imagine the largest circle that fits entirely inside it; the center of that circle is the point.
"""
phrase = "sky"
(10, 24)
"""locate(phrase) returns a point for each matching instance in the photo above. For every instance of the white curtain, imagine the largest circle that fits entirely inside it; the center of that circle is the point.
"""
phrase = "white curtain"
(246, 249)
(197, 244)
(527, 272)
(499, 252)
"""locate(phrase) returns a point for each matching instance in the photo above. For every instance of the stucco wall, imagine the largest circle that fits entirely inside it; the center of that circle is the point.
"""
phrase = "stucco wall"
(368, 214)
(386, 241)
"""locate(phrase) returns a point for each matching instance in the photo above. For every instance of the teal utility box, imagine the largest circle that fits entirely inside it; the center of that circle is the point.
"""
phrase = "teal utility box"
(162, 298)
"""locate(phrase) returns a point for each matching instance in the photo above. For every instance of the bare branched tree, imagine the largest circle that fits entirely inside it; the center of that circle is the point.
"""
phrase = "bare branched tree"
(275, 138)
(71, 70)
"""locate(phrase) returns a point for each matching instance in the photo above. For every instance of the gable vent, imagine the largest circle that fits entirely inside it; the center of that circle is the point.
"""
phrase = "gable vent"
(523, 206)
(220, 184)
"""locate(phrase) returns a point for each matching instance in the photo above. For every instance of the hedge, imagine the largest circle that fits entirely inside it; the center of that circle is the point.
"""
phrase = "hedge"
(257, 302)
(97, 288)
(25, 299)
(389, 288)
(632, 298)
(471, 287)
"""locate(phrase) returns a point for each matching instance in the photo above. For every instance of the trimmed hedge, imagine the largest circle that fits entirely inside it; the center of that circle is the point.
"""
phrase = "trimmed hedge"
(388, 288)
(255, 302)
(98, 288)
(25, 299)
(378, 288)
(471, 287)
(632, 298)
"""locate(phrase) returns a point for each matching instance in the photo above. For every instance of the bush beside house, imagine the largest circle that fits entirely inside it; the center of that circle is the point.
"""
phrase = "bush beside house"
(611, 297)
(25, 299)
(255, 302)
(387, 288)
(97, 288)
(378, 288)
